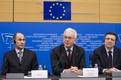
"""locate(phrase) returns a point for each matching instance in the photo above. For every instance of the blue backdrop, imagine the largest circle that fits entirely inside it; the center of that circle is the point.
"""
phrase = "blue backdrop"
(42, 37)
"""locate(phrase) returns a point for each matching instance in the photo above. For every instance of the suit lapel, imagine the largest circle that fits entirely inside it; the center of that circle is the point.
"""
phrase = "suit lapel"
(115, 57)
(25, 55)
(104, 54)
(65, 57)
(15, 57)
(74, 56)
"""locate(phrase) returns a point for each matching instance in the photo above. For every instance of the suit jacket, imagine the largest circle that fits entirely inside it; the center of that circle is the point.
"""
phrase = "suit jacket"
(11, 62)
(100, 57)
(59, 62)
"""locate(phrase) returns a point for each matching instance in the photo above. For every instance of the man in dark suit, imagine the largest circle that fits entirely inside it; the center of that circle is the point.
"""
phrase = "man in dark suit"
(68, 58)
(19, 60)
(107, 56)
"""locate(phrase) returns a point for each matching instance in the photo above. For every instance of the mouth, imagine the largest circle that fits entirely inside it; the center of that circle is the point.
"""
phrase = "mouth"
(67, 43)
(109, 44)
(22, 45)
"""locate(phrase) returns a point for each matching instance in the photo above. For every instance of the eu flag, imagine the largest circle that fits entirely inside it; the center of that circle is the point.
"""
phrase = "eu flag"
(55, 10)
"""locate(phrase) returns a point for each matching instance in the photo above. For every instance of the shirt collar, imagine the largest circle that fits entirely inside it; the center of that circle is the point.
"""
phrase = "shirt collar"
(69, 48)
(109, 50)
(19, 50)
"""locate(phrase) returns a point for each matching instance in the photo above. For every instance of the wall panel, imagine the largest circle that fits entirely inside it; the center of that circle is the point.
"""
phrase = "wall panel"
(82, 11)
(32, 11)
(110, 11)
(6, 10)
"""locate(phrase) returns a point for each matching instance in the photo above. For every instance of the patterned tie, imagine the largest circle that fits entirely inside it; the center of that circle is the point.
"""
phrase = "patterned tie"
(69, 55)
(20, 56)
(110, 59)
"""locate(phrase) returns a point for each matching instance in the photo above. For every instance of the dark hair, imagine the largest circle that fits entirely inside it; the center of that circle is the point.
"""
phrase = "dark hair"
(14, 36)
(111, 33)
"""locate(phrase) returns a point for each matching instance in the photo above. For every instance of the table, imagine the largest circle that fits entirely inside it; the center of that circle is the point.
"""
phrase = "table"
(53, 77)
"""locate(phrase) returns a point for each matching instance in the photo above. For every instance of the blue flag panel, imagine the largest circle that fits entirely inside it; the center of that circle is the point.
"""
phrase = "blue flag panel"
(55, 10)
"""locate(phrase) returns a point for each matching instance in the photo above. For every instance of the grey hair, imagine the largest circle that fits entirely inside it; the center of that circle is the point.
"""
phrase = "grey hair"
(69, 30)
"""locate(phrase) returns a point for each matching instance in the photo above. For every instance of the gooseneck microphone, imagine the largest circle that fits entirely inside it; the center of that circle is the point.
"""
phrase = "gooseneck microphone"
(59, 62)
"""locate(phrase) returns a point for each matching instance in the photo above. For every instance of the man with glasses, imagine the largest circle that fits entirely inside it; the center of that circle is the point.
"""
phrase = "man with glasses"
(68, 58)
(107, 56)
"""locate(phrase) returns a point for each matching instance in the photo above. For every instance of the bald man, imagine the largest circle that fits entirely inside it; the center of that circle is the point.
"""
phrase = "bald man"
(19, 60)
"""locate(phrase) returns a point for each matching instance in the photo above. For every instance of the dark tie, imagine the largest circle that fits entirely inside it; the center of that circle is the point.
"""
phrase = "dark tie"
(110, 59)
(69, 55)
(20, 56)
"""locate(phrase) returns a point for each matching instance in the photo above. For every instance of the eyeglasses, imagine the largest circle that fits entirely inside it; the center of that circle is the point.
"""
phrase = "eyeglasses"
(70, 38)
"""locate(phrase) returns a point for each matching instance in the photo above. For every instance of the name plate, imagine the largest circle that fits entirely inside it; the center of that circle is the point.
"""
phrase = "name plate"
(68, 75)
(116, 74)
(39, 74)
(14, 75)
(90, 72)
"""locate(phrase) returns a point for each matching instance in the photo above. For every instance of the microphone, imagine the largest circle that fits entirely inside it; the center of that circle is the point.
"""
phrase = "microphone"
(59, 62)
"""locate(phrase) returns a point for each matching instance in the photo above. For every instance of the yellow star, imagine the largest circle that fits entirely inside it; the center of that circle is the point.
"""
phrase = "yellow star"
(50, 6)
(63, 14)
(51, 14)
(60, 4)
(53, 4)
(49, 10)
(56, 3)
(63, 7)
(64, 11)
(56, 17)
(61, 17)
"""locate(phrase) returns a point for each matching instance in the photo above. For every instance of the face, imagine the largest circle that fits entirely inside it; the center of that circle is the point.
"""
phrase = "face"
(69, 39)
(110, 41)
(20, 41)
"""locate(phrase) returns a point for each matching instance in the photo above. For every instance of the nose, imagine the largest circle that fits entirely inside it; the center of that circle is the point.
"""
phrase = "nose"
(109, 40)
(22, 41)
(67, 39)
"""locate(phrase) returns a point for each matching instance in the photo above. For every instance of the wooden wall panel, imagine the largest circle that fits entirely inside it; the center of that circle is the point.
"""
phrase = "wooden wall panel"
(28, 11)
(32, 11)
(88, 11)
(83, 11)
(110, 11)
(6, 10)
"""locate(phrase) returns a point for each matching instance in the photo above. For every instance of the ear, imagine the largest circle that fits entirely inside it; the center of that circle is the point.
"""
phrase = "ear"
(14, 41)
(75, 40)
(104, 40)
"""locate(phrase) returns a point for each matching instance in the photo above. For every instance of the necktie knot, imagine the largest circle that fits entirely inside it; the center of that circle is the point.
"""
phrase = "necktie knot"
(109, 52)
(68, 50)
(20, 52)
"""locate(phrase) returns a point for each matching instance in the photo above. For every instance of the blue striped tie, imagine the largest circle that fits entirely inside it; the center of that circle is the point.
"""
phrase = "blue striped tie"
(20, 56)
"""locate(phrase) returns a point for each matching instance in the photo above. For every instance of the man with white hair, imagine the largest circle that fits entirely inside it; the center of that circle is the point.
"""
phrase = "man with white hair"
(68, 58)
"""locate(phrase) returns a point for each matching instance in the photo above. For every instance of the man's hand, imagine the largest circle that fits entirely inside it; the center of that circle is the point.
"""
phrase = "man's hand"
(108, 71)
(73, 70)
